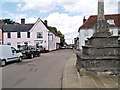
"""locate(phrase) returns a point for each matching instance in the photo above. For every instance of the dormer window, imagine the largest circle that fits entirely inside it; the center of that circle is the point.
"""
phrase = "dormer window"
(111, 21)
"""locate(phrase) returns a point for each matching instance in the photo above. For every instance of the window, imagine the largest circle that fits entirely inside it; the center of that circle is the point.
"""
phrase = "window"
(111, 21)
(9, 35)
(39, 42)
(13, 50)
(18, 44)
(118, 32)
(86, 42)
(50, 37)
(8, 43)
(111, 31)
(28, 34)
(39, 35)
(18, 35)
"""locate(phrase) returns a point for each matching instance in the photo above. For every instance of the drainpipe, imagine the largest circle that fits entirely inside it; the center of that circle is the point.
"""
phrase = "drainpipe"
(2, 32)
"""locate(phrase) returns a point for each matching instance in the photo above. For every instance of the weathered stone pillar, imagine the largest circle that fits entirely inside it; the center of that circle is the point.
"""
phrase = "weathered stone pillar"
(101, 10)
(103, 51)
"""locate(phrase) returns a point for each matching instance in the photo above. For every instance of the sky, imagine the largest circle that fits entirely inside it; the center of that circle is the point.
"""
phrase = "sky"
(65, 15)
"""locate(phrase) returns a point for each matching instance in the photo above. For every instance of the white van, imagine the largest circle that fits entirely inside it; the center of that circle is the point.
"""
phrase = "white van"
(9, 53)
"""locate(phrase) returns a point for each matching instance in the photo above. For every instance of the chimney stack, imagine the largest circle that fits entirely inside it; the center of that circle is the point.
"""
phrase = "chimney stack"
(23, 21)
(84, 20)
(45, 21)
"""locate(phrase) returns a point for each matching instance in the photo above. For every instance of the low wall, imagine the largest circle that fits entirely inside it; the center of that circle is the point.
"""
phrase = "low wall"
(98, 64)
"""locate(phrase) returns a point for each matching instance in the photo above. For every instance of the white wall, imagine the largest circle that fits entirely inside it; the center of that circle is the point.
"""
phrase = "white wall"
(114, 31)
(14, 40)
(57, 39)
(38, 27)
(83, 35)
(31, 41)
(87, 33)
(52, 42)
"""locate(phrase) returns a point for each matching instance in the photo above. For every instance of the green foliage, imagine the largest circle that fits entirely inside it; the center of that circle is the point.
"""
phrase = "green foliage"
(54, 29)
(8, 21)
(62, 40)
(59, 34)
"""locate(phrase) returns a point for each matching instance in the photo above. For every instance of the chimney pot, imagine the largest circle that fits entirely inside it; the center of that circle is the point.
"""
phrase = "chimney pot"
(23, 21)
(84, 20)
(45, 21)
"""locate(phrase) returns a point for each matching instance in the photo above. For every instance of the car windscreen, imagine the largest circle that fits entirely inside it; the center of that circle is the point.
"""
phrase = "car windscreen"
(24, 47)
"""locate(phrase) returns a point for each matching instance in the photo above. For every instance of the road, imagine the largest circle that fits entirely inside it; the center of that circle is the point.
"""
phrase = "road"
(41, 72)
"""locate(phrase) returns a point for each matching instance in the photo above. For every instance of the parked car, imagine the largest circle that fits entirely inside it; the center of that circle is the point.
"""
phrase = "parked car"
(9, 53)
(29, 51)
(42, 49)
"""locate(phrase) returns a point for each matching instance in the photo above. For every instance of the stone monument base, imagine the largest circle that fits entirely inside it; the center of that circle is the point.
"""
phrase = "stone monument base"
(98, 63)
(102, 53)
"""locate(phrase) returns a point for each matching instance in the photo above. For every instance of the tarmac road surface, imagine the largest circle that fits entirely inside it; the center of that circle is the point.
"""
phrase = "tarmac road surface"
(41, 72)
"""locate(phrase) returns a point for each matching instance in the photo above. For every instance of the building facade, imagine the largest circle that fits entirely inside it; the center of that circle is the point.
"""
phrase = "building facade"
(87, 29)
(33, 34)
(1, 31)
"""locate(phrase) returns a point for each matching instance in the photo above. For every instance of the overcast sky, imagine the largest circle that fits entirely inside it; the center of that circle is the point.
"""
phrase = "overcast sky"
(65, 15)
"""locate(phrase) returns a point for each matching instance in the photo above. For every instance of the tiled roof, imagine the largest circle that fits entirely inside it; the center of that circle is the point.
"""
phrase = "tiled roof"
(90, 22)
(17, 27)
(1, 26)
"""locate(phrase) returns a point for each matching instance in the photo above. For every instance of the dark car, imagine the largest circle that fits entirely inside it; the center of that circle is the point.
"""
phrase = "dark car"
(42, 49)
(29, 51)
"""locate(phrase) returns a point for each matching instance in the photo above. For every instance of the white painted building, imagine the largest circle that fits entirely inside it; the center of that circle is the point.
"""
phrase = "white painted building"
(33, 34)
(87, 29)
(1, 32)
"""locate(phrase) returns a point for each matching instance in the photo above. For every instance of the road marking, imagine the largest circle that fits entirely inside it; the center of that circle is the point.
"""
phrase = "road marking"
(94, 82)
(114, 82)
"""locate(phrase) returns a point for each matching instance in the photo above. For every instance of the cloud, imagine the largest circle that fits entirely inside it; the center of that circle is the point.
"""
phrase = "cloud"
(40, 5)
(68, 25)
(89, 7)
(17, 17)
(111, 7)
(119, 7)
(28, 20)
(14, 16)
(86, 7)
(70, 37)
(65, 21)
(11, 1)
(82, 7)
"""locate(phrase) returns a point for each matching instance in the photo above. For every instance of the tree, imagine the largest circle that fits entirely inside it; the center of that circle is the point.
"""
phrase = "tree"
(62, 40)
(8, 21)
(54, 29)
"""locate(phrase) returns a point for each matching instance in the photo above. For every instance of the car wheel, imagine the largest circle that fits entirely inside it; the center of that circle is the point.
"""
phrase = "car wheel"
(31, 56)
(20, 59)
(3, 63)
(38, 55)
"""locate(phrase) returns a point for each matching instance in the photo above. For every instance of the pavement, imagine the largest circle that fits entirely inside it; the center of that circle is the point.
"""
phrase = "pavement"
(73, 79)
